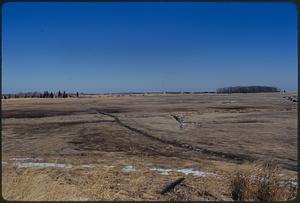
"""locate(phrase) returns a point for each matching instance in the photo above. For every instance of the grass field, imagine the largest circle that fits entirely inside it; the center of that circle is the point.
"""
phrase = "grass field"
(132, 147)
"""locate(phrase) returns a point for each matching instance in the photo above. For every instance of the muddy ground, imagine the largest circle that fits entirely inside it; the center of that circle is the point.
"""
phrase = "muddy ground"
(214, 133)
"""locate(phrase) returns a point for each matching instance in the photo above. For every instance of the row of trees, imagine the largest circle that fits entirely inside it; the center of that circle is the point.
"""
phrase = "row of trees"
(248, 89)
(46, 94)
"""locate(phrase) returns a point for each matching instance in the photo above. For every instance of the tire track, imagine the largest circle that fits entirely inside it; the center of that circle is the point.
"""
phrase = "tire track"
(228, 156)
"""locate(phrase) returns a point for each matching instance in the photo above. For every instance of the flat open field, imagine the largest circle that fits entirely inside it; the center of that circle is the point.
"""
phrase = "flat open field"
(131, 147)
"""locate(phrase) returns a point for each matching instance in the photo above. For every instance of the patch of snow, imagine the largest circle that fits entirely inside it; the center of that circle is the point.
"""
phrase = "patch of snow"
(41, 165)
(4, 162)
(294, 183)
(23, 159)
(88, 166)
(185, 171)
(128, 169)
(198, 173)
(180, 120)
(182, 125)
(162, 171)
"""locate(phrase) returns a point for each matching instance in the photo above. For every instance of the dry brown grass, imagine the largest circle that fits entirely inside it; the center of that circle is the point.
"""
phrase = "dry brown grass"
(261, 182)
(71, 131)
(258, 182)
(28, 185)
(95, 184)
(100, 184)
(45, 185)
(241, 186)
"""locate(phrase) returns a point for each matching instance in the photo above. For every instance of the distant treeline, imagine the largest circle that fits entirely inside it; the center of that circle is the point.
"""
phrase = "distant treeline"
(59, 94)
(64, 94)
(247, 89)
(45, 94)
(186, 92)
(166, 92)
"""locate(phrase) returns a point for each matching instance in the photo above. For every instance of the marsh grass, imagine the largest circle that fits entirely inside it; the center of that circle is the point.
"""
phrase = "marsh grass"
(261, 182)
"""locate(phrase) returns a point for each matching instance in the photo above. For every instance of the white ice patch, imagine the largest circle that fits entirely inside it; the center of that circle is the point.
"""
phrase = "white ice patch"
(198, 173)
(162, 171)
(291, 182)
(294, 183)
(186, 171)
(23, 159)
(88, 166)
(182, 125)
(128, 169)
(41, 165)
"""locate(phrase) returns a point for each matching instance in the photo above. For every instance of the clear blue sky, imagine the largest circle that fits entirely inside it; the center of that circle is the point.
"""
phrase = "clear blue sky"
(115, 47)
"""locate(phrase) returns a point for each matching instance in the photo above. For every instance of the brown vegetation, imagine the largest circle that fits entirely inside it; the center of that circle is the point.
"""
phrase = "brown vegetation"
(220, 132)
(261, 182)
